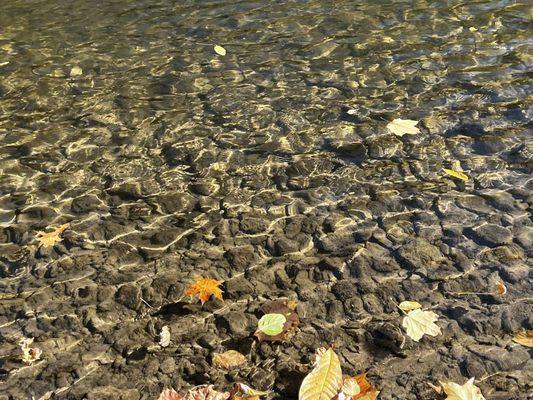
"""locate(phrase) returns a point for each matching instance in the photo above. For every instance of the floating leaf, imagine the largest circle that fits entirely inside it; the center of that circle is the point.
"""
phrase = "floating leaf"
(456, 174)
(48, 239)
(325, 380)
(409, 305)
(164, 336)
(170, 394)
(418, 323)
(271, 324)
(286, 308)
(220, 50)
(402, 127)
(29, 354)
(204, 288)
(525, 338)
(468, 391)
(228, 359)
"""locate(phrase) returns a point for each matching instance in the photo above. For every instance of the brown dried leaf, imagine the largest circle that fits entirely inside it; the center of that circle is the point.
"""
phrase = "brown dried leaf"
(500, 288)
(525, 338)
(170, 394)
(287, 309)
(228, 359)
(204, 288)
(48, 239)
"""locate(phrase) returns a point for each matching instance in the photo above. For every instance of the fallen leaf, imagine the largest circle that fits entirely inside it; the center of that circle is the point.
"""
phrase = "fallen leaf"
(76, 71)
(170, 394)
(206, 393)
(402, 127)
(286, 308)
(468, 391)
(500, 288)
(164, 336)
(271, 324)
(409, 305)
(244, 392)
(204, 288)
(48, 239)
(228, 359)
(220, 50)
(418, 323)
(525, 338)
(456, 174)
(29, 354)
(357, 388)
(325, 380)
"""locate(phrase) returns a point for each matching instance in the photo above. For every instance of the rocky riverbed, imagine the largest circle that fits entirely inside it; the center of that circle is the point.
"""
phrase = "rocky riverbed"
(272, 170)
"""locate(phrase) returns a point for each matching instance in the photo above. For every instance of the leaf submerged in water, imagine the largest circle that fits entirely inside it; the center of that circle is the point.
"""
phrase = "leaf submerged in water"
(402, 127)
(221, 51)
(456, 174)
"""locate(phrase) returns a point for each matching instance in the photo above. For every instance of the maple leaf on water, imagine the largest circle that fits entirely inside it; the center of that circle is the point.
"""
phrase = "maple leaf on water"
(204, 288)
(468, 391)
(48, 239)
(418, 323)
(357, 388)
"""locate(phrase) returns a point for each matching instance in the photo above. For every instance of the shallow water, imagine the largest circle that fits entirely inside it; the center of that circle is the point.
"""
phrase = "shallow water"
(119, 117)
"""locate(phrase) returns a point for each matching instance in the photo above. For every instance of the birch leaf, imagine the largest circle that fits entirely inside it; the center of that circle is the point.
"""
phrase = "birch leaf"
(228, 359)
(221, 51)
(468, 391)
(48, 239)
(271, 324)
(418, 323)
(164, 336)
(402, 127)
(204, 288)
(456, 174)
(325, 380)
(525, 338)
(409, 305)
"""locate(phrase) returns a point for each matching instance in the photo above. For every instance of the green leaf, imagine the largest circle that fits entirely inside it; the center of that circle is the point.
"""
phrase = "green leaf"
(271, 324)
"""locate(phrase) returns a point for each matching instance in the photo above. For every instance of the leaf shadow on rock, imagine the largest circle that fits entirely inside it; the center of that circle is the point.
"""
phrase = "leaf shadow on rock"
(179, 309)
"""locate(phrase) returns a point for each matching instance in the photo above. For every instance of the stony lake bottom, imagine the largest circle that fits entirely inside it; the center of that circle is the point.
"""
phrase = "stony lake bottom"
(269, 168)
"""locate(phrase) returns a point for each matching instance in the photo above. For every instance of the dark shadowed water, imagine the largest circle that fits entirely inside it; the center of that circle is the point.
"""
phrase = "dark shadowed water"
(172, 161)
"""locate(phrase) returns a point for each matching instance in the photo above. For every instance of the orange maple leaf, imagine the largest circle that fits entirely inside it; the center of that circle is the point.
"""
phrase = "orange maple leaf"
(204, 288)
(48, 239)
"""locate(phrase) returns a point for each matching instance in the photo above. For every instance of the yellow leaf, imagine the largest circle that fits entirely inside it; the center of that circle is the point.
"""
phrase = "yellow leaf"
(204, 288)
(409, 305)
(325, 380)
(525, 338)
(418, 323)
(220, 50)
(468, 391)
(228, 359)
(402, 127)
(456, 174)
(48, 239)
